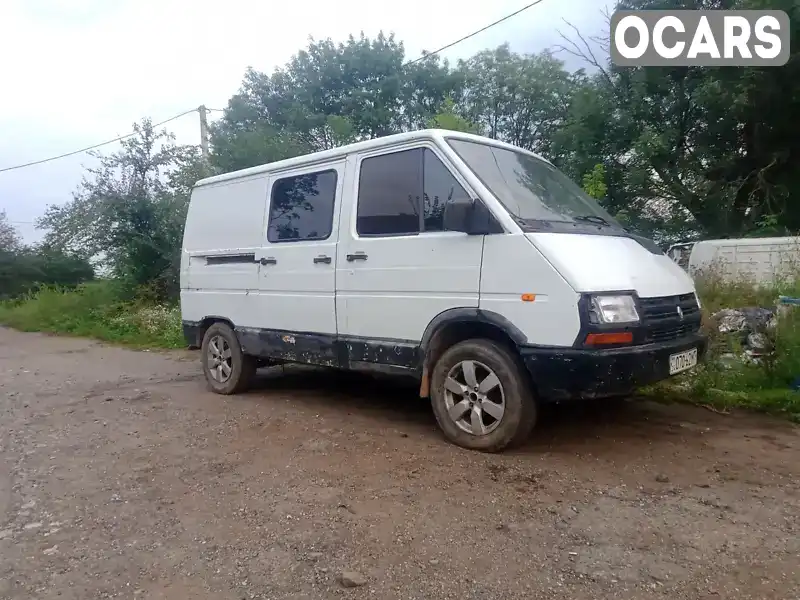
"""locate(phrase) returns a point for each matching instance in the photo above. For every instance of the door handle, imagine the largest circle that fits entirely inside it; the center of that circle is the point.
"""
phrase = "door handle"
(268, 261)
(322, 259)
(356, 256)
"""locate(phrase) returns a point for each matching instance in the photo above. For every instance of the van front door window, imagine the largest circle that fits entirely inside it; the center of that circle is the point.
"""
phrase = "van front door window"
(404, 193)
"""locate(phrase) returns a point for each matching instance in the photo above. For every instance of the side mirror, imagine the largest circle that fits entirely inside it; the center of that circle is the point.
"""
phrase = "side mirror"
(458, 214)
(482, 222)
(469, 216)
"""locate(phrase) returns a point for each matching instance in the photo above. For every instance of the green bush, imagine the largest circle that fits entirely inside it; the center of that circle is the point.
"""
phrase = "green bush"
(99, 310)
(24, 270)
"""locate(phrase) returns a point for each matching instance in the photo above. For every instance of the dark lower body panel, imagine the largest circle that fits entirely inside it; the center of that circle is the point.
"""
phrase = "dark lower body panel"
(557, 373)
(388, 356)
(562, 374)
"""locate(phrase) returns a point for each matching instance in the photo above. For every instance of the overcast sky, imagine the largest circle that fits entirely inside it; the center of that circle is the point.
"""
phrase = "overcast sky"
(78, 72)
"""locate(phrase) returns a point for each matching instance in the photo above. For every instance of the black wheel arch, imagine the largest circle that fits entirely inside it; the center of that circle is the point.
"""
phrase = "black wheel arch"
(194, 331)
(459, 324)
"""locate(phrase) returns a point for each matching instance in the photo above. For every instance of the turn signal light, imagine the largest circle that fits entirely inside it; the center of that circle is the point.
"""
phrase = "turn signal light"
(604, 339)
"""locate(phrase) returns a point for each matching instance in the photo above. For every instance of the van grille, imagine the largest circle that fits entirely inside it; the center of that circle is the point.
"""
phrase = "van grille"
(662, 320)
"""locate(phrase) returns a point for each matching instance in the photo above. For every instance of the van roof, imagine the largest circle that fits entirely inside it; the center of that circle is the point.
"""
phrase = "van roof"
(333, 153)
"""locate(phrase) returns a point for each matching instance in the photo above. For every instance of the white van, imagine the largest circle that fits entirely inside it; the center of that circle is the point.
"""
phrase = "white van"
(760, 261)
(471, 264)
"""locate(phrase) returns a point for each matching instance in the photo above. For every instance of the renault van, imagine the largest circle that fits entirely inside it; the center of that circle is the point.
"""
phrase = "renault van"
(471, 264)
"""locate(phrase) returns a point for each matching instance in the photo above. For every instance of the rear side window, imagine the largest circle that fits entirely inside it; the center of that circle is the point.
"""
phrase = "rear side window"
(301, 207)
(404, 193)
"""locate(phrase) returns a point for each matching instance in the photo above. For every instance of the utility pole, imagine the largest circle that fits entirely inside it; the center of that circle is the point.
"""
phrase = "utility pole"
(203, 130)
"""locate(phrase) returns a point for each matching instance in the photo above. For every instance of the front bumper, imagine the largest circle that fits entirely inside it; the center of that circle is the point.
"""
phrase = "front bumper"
(568, 373)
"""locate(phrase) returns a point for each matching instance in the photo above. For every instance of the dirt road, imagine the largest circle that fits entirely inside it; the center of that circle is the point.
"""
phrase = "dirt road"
(122, 477)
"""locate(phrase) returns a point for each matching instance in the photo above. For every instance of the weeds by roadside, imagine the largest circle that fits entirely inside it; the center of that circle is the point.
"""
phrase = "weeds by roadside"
(727, 378)
(99, 310)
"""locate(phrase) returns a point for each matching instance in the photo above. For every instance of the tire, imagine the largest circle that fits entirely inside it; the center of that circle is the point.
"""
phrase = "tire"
(242, 367)
(519, 410)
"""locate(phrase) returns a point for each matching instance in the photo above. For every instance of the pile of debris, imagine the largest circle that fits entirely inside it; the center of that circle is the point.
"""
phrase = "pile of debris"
(751, 325)
(752, 328)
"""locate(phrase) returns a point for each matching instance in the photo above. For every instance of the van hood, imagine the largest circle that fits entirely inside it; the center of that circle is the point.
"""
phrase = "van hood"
(604, 263)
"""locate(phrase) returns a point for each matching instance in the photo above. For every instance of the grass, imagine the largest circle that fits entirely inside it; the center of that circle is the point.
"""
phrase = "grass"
(100, 310)
(726, 379)
(783, 403)
(96, 310)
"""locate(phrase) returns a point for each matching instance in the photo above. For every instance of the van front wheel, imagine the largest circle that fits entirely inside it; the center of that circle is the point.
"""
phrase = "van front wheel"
(228, 370)
(481, 396)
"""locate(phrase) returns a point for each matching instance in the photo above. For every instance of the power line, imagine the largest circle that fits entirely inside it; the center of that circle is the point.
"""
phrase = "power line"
(473, 34)
(407, 64)
(117, 139)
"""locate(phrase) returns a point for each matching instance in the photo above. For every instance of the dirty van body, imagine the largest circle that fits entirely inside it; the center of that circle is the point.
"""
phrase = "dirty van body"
(470, 264)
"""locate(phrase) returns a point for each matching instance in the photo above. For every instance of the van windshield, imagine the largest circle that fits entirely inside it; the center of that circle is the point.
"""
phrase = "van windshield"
(537, 194)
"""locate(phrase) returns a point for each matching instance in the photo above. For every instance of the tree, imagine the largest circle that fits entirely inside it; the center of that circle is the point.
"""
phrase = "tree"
(329, 95)
(428, 88)
(128, 213)
(692, 151)
(594, 183)
(9, 240)
(447, 118)
(520, 99)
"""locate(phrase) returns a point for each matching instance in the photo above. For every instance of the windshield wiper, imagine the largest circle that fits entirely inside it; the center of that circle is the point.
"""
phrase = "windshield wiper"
(594, 219)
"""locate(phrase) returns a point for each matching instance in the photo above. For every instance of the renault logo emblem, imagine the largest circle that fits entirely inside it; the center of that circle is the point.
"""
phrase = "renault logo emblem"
(680, 313)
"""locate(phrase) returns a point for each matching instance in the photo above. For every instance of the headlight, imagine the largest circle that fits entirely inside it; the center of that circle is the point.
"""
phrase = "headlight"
(614, 309)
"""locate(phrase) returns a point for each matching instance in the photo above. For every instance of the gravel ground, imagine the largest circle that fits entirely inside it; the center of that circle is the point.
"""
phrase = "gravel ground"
(122, 477)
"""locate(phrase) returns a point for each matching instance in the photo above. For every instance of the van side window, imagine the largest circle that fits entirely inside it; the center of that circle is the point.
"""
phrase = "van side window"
(394, 189)
(301, 207)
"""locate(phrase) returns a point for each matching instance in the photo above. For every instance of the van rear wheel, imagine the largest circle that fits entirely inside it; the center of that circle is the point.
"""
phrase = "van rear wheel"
(481, 396)
(228, 370)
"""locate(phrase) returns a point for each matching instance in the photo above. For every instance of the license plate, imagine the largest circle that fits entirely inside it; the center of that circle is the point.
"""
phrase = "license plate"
(682, 361)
